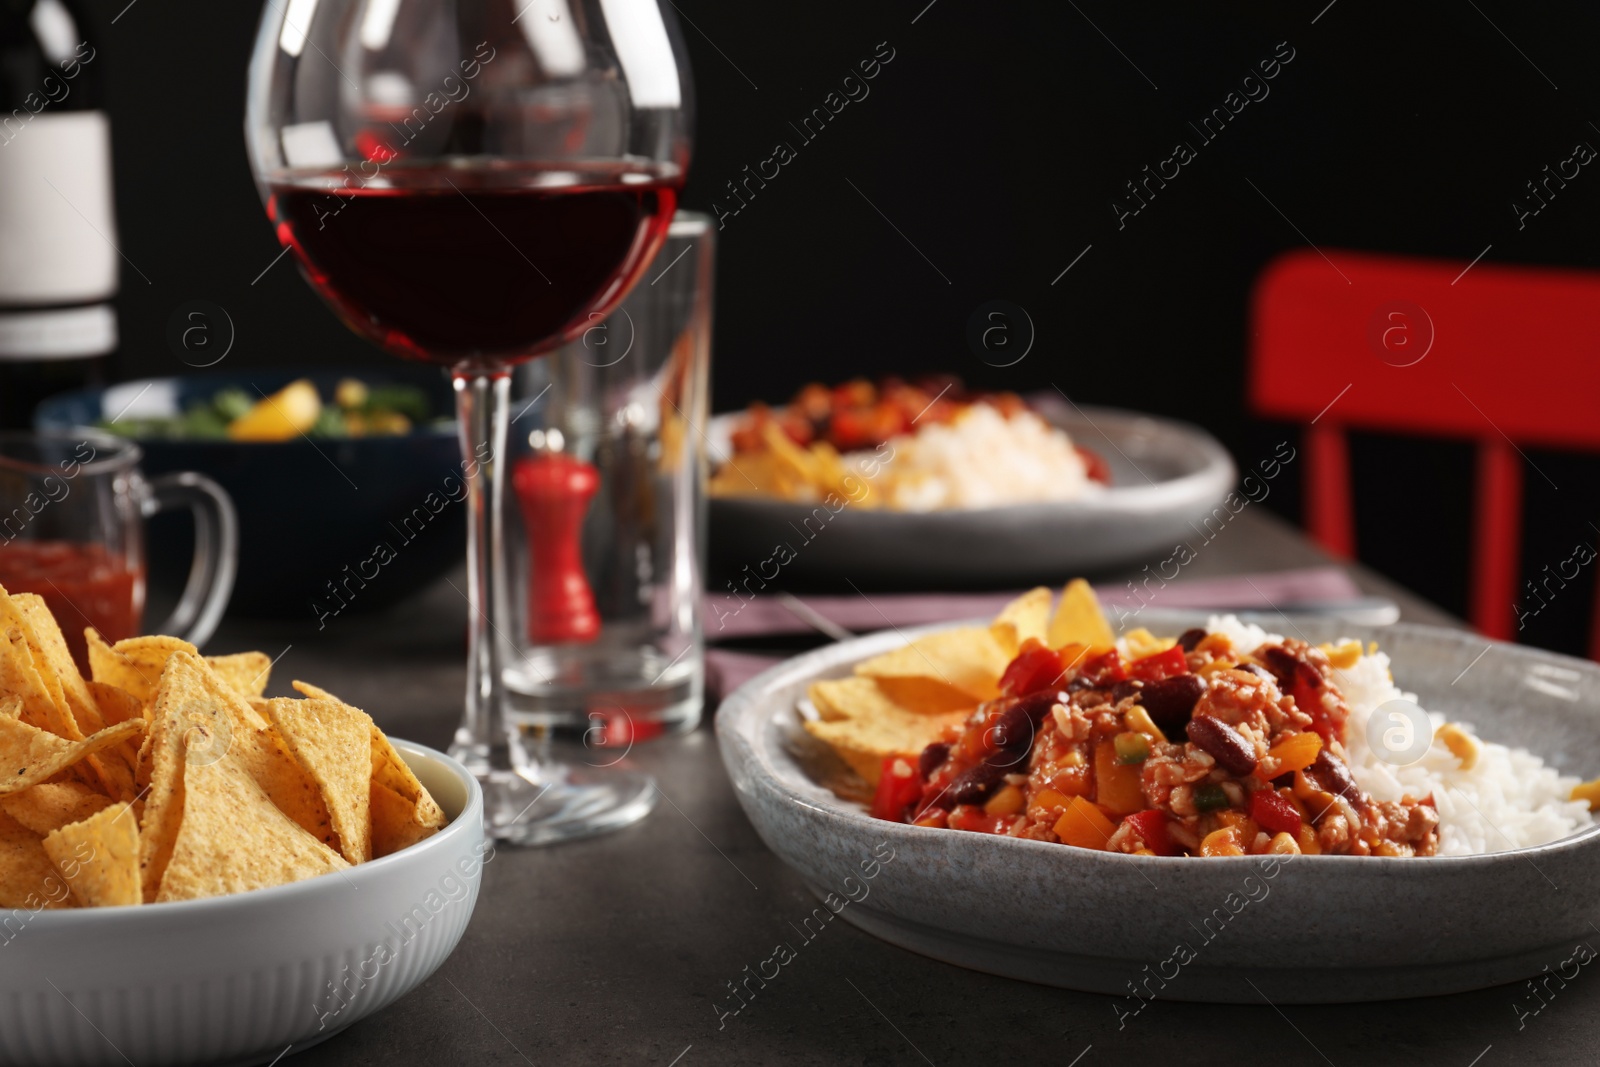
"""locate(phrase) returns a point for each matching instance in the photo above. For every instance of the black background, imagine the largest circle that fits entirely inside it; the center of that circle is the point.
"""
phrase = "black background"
(986, 158)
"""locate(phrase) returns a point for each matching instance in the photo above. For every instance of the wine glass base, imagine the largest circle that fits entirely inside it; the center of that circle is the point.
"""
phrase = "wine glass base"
(563, 803)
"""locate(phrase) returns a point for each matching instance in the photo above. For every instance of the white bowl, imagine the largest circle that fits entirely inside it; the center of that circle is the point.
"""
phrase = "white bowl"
(242, 979)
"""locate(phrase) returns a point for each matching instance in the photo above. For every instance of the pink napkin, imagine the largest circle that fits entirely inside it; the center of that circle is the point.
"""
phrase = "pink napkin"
(730, 617)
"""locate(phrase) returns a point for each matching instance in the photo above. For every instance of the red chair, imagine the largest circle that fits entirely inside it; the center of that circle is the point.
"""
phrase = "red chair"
(1503, 356)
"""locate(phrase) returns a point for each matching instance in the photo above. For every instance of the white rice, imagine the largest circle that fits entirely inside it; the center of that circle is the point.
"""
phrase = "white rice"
(981, 459)
(1509, 799)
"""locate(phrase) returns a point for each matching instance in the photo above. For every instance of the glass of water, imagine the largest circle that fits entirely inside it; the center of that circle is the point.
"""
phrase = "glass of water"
(606, 541)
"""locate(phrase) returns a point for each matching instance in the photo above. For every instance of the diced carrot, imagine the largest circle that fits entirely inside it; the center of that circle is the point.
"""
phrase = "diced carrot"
(1084, 825)
(1296, 752)
(1051, 799)
(1117, 787)
(1073, 781)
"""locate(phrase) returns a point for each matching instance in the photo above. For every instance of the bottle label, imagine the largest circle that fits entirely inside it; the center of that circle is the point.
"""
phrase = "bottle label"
(56, 211)
(58, 333)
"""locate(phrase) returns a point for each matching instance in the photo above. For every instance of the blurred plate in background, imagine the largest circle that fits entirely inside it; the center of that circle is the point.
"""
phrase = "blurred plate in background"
(1166, 478)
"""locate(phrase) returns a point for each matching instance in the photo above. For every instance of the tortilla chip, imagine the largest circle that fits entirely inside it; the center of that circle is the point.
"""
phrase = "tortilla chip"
(183, 705)
(863, 743)
(314, 692)
(49, 806)
(390, 822)
(925, 695)
(57, 660)
(21, 679)
(860, 698)
(99, 857)
(246, 672)
(267, 759)
(29, 755)
(234, 839)
(116, 705)
(135, 664)
(333, 742)
(1142, 643)
(968, 660)
(1078, 618)
(1025, 617)
(394, 822)
(27, 877)
(255, 743)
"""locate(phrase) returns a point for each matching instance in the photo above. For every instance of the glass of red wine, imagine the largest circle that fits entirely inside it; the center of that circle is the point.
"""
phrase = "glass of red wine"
(474, 183)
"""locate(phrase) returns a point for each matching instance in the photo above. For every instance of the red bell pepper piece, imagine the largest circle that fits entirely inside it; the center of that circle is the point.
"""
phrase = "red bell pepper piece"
(1273, 813)
(1308, 698)
(1161, 665)
(899, 787)
(1035, 667)
(1095, 468)
(974, 818)
(1151, 826)
(1105, 669)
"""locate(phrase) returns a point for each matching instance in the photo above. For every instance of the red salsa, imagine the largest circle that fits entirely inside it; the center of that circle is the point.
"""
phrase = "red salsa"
(82, 583)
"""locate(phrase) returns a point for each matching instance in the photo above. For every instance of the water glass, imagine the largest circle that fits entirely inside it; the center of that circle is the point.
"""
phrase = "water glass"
(606, 541)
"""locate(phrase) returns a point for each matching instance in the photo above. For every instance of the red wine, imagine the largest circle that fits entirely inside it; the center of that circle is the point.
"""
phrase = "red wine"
(448, 264)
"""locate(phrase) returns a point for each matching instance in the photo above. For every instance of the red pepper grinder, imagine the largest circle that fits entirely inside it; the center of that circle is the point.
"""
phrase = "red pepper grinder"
(554, 490)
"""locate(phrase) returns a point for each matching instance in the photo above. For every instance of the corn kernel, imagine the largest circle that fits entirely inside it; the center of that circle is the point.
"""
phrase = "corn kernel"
(1344, 656)
(1284, 845)
(1224, 842)
(1589, 791)
(1139, 720)
(1462, 745)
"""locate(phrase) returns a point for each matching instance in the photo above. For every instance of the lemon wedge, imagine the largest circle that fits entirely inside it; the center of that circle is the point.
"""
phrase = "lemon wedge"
(290, 411)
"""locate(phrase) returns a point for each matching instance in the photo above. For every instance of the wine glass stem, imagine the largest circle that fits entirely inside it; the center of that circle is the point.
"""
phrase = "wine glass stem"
(486, 742)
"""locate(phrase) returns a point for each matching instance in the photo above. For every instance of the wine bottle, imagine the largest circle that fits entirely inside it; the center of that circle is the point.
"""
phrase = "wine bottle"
(58, 259)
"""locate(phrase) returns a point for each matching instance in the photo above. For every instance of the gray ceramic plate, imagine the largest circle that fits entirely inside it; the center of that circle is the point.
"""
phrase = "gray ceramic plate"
(1164, 476)
(1315, 929)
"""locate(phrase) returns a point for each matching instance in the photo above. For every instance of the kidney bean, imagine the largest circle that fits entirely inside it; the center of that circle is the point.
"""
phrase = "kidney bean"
(979, 782)
(1171, 701)
(1225, 744)
(1190, 638)
(933, 758)
(1122, 690)
(1329, 774)
(1279, 660)
(1013, 728)
(1040, 701)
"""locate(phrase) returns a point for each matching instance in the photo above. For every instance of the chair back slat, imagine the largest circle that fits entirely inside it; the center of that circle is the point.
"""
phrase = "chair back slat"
(1503, 356)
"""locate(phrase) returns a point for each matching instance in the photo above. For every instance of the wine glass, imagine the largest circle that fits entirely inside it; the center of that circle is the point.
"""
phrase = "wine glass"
(474, 183)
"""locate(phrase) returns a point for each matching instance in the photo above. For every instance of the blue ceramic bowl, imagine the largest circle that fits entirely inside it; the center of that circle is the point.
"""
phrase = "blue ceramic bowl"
(308, 509)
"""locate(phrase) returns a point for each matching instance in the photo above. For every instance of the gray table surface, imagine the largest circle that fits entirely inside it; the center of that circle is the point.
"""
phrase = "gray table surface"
(614, 950)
